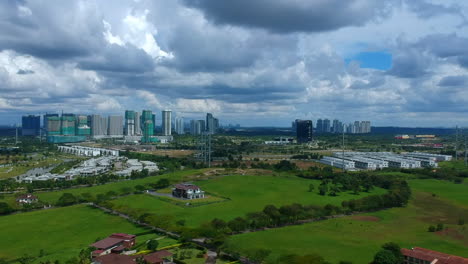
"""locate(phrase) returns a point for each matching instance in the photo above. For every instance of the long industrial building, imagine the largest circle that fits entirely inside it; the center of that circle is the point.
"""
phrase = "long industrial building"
(379, 160)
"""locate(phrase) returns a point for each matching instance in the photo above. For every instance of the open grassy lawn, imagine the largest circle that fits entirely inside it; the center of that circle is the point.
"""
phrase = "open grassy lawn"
(53, 196)
(358, 238)
(60, 232)
(246, 194)
(457, 193)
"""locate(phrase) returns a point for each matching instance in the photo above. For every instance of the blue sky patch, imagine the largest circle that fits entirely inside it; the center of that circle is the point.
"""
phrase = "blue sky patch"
(374, 60)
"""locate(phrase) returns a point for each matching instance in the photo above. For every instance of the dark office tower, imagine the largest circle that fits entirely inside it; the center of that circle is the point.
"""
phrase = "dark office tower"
(319, 126)
(326, 126)
(304, 131)
(31, 125)
(210, 123)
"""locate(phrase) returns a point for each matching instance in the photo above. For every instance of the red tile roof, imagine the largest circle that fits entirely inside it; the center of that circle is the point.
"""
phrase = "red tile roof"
(115, 259)
(123, 236)
(430, 255)
(27, 196)
(107, 243)
(186, 186)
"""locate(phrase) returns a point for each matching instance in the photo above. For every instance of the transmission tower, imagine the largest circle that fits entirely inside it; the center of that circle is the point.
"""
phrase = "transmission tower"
(204, 148)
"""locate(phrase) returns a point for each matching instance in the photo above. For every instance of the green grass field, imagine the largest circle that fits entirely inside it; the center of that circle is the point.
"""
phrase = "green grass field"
(60, 232)
(246, 194)
(53, 196)
(457, 193)
(358, 238)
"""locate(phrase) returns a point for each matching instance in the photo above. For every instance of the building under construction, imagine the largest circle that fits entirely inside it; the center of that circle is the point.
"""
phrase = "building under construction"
(64, 129)
(148, 127)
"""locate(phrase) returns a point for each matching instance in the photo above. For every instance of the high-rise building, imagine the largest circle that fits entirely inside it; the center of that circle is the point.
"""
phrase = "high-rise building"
(326, 126)
(99, 125)
(304, 131)
(179, 125)
(357, 127)
(138, 131)
(129, 127)
(82, 127)
(52, 125)
(31, 125)
(197, 127)
(147, 125)
(210, 123)
(67, 124)
(45, 121)
(319, 126)
(166, 122)
(115, 127)
(154, 122)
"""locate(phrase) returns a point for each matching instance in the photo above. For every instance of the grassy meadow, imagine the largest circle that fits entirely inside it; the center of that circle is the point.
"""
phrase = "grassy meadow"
(358, 238)
(245, 194)
(60, 232)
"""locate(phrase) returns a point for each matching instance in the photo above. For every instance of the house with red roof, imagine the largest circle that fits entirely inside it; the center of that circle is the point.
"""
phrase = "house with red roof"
(27, 199)
(115, 243)
(419, 255)
(187, 191)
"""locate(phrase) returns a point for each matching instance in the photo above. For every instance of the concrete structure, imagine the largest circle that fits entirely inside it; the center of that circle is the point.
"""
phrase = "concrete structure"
(30, 125)
(187, 191)
(115, 128)
(68, 123)
(166, 122)
(88, 151)
(211, 123)
(280, 141)
(304, 131)
(179, 125)
(138, 130)
(147, 126)
(389, 159)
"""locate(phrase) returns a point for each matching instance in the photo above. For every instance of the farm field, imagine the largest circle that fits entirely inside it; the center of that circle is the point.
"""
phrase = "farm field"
(358, 238)
(60, 232)
(246, 194)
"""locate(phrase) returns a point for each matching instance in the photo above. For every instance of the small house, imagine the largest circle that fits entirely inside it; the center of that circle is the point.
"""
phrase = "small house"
(115, 243)
(187, 191)
(27, 199)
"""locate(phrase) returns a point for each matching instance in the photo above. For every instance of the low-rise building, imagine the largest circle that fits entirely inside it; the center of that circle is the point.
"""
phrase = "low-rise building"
(187, 191)
(419, 255)
(27, 199)
(115, 243)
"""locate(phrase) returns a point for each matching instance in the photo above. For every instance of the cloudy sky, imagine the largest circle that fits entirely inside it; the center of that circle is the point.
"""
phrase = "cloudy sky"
(262, 62)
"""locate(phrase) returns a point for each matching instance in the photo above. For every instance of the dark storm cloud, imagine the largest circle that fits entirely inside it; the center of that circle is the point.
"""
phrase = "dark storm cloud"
(115, 58)
(454, 81)
(24, 72)
(51, 33)
(426, 9)
(285, 16)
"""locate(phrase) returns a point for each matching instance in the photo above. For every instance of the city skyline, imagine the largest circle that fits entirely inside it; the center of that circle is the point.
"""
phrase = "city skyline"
(397, 63)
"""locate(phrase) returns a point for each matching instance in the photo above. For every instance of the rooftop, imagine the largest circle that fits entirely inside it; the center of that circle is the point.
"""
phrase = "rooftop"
(186, 186)
(430, 255)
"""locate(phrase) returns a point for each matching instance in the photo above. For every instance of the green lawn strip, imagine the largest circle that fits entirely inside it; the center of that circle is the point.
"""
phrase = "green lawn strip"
(246, 193)
(358, 238)
(60, 232)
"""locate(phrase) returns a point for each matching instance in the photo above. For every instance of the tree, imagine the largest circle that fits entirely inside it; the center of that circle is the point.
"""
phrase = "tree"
(440, 227)
(395, 249)
(431, 228)
(162, 183)
(152, 244)
(67, 199)
(140, 188)
(5, 208)
(323, 189)
(311, 187)
(385, 256)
